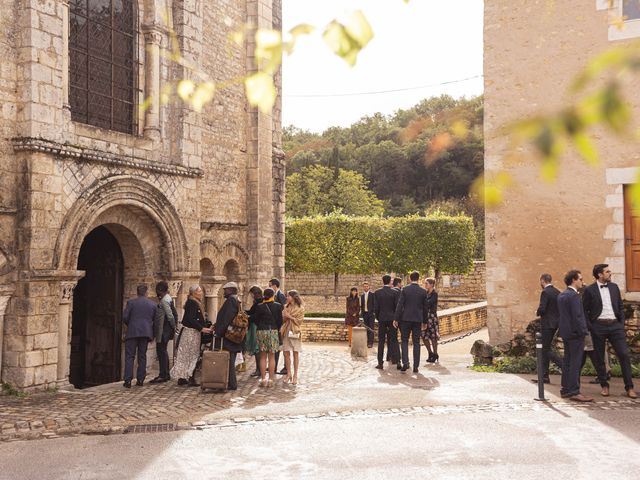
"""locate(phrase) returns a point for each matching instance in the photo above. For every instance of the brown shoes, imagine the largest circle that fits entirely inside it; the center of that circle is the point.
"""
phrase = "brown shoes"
(631, 393)
(605, 391)
(581, 398)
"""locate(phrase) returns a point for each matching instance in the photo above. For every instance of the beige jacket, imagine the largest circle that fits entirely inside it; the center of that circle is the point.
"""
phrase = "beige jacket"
(293, 318)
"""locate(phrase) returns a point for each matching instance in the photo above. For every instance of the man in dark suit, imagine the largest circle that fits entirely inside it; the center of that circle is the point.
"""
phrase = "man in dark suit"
(281, 298)
(411, 313)
(164, 326)
(367, 308)
(138, 317)
(386, 301)
(548, 313)
(603, 308)
(573, 329)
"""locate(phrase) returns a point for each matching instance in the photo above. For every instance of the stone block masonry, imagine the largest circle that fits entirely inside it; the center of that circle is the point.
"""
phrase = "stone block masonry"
(452, 321)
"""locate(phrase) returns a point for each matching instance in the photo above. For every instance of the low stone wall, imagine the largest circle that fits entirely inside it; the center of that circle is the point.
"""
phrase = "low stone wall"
(337, 304)
(315, 286)
(452, 321)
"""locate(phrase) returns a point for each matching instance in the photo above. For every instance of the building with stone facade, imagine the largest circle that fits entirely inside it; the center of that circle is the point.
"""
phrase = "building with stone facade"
(97, 197)
(533, 51)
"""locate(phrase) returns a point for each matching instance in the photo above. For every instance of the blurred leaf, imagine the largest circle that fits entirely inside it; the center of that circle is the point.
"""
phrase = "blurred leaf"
(613, 57)
(549, 170)
(268, 49)
(185, 89)
(618, 21)
(491, 191)
(301, 29)
(585, 147)
(460, 129)
(615, 111)
(202, 95)
(346, 40)
(635, 193)
(261, 91)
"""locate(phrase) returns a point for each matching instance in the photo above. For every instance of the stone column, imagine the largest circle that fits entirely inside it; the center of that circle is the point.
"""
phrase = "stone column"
(211, 298)
(5, 295)
(64, 327)
(153, 40)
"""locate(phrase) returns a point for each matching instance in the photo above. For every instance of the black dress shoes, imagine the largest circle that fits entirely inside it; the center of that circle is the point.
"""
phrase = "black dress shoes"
(398, 366)
(255, 374)
(379, 366)
(404, 368)
(139, 383)
(159, 380)
(183, 381)
(415, 369)
(283, 371)
(126, 384)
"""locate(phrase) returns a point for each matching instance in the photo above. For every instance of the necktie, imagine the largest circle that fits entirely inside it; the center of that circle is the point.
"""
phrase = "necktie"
(606, 285)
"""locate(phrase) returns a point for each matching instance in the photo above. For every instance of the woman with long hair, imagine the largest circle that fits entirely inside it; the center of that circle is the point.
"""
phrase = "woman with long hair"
(352, 318)
(431, 332)
(291, 333)
(193, 327)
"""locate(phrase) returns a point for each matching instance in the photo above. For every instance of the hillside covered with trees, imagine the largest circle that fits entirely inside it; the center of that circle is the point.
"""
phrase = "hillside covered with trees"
(388, 165)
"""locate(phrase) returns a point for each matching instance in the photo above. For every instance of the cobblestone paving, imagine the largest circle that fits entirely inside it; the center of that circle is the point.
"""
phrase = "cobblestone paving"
(103, 411)
(326, 372)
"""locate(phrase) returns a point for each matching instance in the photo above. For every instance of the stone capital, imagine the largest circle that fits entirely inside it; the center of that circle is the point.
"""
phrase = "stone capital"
(174, 287)
(153, 34)
(66, 291)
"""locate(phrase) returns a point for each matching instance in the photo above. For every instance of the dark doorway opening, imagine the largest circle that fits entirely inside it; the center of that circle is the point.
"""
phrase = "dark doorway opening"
(97, 312)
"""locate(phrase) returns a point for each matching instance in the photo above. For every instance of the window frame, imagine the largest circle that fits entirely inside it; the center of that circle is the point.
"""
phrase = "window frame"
(130, 124)
(631, 27)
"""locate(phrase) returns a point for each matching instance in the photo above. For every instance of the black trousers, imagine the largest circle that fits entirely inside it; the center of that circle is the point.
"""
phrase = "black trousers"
(369, 321)
(163, 359)
(547, 353)
(233, 381)
(413, 329)
(573, 352)
(130, 346)
(616, 336)
(387, 333)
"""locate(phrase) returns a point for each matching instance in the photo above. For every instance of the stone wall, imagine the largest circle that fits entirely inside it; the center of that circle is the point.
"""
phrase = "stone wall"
(452, 321)
(533, 53)
(317, 289)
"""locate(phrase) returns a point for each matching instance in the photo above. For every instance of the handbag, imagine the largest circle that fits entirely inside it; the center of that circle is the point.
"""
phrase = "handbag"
(206, 338)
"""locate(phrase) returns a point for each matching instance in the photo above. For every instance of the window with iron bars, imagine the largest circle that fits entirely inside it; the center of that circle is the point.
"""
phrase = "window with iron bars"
(103, 67)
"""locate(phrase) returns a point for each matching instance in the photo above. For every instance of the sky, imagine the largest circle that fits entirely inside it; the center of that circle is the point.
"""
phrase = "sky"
(420, 44)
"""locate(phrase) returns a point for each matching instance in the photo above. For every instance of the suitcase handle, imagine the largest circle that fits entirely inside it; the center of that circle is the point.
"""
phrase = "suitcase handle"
(214, 343)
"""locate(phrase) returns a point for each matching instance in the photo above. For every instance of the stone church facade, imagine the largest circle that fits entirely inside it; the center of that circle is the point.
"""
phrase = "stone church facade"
(97, 197)
(533, 52)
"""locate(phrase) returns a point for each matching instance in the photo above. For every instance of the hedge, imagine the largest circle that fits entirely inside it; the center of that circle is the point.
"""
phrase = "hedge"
(338, 244)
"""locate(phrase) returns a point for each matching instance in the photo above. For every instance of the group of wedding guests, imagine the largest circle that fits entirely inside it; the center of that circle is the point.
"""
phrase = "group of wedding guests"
(275, 321)
(412, 310)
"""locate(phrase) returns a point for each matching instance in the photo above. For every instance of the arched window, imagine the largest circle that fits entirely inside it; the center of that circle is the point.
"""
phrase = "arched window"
(102, 63)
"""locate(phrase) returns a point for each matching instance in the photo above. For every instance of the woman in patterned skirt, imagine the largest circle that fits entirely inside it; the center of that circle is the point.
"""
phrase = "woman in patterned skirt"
(268, 319)
(189, 338)
(431, 330)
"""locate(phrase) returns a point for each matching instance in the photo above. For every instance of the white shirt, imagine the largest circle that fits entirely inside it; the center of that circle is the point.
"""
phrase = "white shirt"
(607, 306)
(366, 301)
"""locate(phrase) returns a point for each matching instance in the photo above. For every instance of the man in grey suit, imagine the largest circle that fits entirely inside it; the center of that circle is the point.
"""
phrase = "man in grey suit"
(138, 317)
(411, 313)
(386, 300)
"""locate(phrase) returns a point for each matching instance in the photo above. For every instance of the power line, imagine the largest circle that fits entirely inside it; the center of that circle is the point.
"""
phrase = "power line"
(355, 94)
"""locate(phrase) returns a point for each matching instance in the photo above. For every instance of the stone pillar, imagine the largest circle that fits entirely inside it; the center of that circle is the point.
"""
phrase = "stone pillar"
(153, 41)
(64, 328)
(5, 295)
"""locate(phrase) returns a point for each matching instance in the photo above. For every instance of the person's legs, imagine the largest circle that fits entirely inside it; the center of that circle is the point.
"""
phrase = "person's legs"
(599, 338)
(547, 338)
(349, 333)
(287, 365)
(233, 380)
(575, 349)
(405, 330)
(272, 365)
(296, 365)
(383, 335)
(142, 345)
(163, 360)
(369, 321)
(129, 356)
(263, 366)
(564, 382)
(618, 341)
(415, 334)
(394, 346)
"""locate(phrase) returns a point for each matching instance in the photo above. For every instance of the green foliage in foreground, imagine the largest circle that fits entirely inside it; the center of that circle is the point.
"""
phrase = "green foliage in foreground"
(527, 365)
(337, 243)
(8, 389)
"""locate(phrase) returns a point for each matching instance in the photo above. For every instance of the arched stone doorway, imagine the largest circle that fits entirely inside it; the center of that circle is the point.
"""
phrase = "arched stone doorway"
(97, 312)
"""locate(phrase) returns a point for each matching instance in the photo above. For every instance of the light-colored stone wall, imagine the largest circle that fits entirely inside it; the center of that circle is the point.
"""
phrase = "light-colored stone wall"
(532, 54)
(452, 321)
(190, 197)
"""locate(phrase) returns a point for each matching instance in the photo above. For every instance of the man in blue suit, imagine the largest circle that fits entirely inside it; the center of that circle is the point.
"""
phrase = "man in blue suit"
(411, 313)
(138, 317)
(573, 328)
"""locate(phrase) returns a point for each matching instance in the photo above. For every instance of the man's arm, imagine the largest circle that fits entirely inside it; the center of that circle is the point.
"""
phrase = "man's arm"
(167, 311)
(127, 313)
(577, 314)
(544, 301)
(587, 303)
(399, 309)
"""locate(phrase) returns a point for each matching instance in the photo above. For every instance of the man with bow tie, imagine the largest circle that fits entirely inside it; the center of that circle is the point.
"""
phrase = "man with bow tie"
(602, 304)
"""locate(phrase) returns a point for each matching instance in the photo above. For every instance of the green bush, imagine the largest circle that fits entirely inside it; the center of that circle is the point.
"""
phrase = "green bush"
(325, 315)
(527, 364)
(337, 243)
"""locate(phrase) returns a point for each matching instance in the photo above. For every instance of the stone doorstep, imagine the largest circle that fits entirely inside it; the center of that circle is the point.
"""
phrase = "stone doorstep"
(19, 432)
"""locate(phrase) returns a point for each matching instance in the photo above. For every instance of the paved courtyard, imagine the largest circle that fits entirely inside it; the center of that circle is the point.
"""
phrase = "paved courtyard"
(331, 385)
